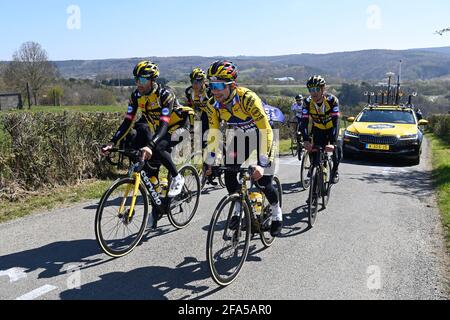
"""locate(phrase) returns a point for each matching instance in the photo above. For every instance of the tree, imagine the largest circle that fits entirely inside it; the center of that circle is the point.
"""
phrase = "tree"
(30, 64)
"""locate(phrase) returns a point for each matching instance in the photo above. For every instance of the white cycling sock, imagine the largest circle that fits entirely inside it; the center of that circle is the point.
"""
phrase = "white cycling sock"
(277, 215)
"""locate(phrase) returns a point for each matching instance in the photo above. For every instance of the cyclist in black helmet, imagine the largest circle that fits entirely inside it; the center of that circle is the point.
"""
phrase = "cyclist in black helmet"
(323, 109)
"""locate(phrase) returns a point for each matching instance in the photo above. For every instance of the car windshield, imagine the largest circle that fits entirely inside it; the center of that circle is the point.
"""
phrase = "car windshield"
(387, 116)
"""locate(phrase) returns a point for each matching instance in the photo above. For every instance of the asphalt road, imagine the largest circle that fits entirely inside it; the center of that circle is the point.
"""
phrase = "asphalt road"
(380, 238)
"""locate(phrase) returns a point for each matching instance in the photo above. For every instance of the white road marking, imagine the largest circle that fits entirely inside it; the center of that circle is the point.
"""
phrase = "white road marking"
(37, 292)
(14, 274)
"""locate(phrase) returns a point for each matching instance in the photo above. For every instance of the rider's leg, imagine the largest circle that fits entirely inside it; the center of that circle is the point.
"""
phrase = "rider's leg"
(161, 153)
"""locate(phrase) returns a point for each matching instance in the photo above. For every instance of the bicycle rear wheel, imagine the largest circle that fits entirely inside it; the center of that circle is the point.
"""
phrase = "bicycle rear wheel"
(197, 163)
(226, 249)
(266, 215)
(184, 206)
(117, 231)
(313, 204)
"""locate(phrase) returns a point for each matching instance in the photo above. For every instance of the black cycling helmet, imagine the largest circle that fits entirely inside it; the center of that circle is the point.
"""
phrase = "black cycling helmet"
(316, 81)
(299, 97)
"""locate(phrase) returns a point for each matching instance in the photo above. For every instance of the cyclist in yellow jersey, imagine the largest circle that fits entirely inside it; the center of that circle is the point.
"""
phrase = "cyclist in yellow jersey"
(242, 110)
(323, 109)
(162, 115)
(197, 96)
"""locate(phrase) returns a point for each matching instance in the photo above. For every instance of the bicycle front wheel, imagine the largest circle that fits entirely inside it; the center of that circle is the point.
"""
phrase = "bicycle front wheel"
(227, 244)
(118, 230)
(313, 203)
(294, 148)
(305, 174)
(184, 206)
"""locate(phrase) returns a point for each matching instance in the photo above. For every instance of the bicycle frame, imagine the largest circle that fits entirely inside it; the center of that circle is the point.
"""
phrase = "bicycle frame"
(320, 164)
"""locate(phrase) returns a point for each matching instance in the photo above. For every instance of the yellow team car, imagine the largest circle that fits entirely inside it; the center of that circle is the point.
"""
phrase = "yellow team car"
(386, 130)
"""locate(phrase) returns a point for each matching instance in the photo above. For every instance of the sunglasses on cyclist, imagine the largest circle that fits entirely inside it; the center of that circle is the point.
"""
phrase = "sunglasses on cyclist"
(314, 90)
(218, 85)
(141, 80)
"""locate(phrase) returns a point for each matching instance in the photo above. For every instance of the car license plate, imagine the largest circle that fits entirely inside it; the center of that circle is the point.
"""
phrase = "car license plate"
(384, 147)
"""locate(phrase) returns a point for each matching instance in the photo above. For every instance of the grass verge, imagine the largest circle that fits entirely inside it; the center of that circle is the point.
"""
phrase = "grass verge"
(55, 198)
(74, 109)
(441, 177)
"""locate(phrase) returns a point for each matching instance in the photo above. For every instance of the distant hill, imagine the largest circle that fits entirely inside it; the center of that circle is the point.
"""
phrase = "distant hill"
(418, 64)
(439, 50)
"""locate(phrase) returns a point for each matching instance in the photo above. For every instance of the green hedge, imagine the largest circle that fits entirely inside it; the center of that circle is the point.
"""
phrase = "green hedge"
(440, 126)
(48, 149)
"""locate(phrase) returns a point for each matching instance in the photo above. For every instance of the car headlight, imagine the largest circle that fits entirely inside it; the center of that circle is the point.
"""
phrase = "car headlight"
(349, 134)
(409, 137)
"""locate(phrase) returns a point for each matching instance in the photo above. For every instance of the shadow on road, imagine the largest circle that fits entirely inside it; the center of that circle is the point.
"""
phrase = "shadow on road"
(154, 283)
(55, 258)
(145, 283)
(377, 161)
(296, 222)
(412, 183)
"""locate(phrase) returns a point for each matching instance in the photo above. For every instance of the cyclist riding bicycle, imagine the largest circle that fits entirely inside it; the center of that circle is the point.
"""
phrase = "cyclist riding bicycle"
(323, 109)
(197, 96)
(162, 116)
(296, 111)
(243, 111)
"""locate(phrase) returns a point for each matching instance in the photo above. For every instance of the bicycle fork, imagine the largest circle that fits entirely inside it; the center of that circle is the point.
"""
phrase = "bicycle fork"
(137, 179)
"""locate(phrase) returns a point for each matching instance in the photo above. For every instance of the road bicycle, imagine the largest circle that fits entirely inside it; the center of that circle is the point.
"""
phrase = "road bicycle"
(123, 212)
(227, 245)
(320, 182)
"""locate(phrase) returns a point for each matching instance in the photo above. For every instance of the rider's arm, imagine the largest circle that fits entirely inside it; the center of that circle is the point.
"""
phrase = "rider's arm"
(305, 123)
(213, 139)
(252, 104)
(335, 117)
(188, 94)
(127, 123)
(167, 100)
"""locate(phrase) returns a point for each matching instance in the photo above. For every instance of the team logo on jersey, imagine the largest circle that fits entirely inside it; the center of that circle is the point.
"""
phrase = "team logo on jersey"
(130, 109)
(305, 111)
(336, 109)
(165, 112)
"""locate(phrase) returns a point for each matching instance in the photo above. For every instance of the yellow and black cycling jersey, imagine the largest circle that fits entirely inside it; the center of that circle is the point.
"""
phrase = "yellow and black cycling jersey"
(324, 116)
(161, 110)
(244, 112)
(198, 101)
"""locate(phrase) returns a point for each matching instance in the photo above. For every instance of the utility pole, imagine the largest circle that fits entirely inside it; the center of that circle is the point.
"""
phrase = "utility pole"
(28, 95)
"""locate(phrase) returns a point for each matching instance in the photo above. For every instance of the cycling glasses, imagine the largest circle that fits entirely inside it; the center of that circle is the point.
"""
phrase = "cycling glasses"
(141, 80)
(218, 85)
(314, 90)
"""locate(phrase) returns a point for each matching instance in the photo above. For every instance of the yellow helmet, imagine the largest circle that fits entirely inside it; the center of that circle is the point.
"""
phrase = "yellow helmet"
(223, 70)
(197, 74)
(146, 69)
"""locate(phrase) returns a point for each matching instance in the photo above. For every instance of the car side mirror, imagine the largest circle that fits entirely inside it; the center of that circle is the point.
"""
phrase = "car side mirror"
(423, 122)
(351, 119)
